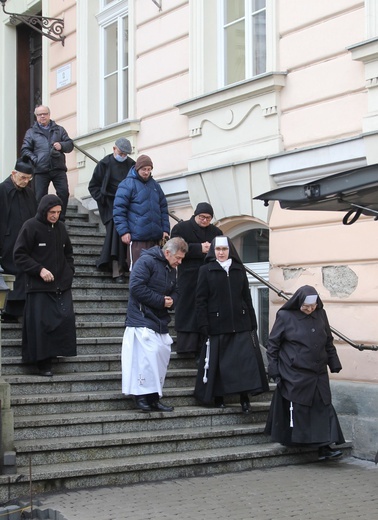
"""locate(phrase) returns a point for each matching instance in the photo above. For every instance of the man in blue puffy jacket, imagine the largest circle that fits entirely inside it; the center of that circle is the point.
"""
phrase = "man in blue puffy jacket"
(140, 210)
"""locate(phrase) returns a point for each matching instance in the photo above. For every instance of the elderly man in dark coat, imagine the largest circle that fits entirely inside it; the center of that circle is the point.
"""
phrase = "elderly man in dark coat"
(17, 204)
(107, 175)
(146, 344)
(43, 251)
(300, 350)
(198, 232)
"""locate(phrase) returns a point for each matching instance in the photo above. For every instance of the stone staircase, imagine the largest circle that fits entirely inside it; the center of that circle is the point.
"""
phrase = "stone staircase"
(77, 430)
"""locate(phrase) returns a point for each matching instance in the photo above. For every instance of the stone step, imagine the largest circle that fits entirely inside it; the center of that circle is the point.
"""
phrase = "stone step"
(128, 421)
(82, 374)
(141, 443)
(116, 303)
(94, 346)
(93, 330)
(154, 467)
(88, 401)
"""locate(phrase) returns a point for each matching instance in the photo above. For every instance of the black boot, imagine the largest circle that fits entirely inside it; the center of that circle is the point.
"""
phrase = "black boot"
(44, 367)
(158, 406)
(142, 403)
(219, 402)
(244, 401)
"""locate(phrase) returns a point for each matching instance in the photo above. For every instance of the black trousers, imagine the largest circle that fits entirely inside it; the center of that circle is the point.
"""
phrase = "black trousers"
(59, 180)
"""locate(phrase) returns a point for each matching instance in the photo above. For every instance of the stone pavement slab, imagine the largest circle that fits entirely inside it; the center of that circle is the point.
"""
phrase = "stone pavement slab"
(342, 490)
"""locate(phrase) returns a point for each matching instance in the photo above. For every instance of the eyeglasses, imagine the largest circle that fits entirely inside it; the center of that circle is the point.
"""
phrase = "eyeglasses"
(203, 217)
(23, 177)
(42, 114)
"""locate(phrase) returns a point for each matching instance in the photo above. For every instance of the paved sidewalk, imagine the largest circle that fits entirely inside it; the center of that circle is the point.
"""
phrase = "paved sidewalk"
(343, 490)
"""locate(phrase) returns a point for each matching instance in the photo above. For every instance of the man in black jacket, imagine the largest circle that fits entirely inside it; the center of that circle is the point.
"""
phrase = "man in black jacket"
(17, 204)
(108, 173)
(43, 251)
(46, 143)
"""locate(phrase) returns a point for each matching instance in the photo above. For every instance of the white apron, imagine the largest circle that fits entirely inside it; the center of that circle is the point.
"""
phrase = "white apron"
(145, 358)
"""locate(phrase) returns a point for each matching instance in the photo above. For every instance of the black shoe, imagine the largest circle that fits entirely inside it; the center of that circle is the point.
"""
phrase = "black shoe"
(219, 402)
(158, 406)
(8, 318)
(46, 373)
(245, 406)
(119, 279)
(325, 452)
(142, 404)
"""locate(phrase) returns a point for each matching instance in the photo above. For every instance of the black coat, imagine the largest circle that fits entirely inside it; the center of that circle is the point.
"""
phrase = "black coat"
(41, 244)
(16, 206)
(300, 348)
(151, 279)
(194, 235)
(38, 146)
(105, 179)
(223, 301)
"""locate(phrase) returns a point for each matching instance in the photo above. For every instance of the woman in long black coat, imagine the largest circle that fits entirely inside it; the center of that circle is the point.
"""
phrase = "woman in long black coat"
(300, 348)
(231, 362)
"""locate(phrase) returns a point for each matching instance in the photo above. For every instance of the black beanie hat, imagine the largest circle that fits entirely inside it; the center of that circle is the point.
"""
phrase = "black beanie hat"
(24, 165)
(204, 207)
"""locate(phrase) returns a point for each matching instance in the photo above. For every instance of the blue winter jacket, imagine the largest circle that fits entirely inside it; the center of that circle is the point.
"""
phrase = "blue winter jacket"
(151, 279)
(140, 208)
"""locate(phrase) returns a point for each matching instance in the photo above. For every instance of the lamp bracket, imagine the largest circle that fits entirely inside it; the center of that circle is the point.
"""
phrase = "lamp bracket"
(52, 28)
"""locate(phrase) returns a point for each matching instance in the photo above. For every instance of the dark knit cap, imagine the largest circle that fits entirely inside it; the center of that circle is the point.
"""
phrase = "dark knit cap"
(143, 160)
(24, 165)
(204, 208)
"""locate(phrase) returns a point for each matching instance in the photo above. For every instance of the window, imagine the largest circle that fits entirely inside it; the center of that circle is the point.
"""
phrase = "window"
(253, 248)
(242, 39)
(115, 64)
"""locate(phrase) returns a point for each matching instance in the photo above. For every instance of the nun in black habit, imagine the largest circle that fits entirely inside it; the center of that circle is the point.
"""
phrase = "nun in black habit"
(231, 361)
(300, 348)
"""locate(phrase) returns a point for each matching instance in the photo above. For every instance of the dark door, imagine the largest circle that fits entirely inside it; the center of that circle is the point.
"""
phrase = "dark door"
(29, 78)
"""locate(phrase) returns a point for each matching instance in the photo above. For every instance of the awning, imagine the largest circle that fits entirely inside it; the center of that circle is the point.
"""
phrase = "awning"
(354, 192)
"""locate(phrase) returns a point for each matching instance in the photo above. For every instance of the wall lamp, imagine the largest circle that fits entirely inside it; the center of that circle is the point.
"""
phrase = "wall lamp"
(50, 27)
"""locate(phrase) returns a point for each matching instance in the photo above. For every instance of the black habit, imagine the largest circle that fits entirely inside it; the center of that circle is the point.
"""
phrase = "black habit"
(188, 337)
(49, 320)
(103, 186)
(225, 314)
(16, 206)
(300, 348)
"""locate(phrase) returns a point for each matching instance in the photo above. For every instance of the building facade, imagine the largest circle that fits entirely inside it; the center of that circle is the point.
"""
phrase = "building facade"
(230, 98)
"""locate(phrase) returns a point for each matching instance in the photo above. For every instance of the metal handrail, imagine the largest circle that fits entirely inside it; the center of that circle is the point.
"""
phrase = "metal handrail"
(286, 297)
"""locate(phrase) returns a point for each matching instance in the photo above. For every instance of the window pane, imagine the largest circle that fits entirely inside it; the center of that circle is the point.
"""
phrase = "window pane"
(259, 43)
(125, 44)
(235, 53)
(125, 114)
(258, 4)
(263, 317)
(110, 102)
(256, 246)
(233, 10)
(110, 49)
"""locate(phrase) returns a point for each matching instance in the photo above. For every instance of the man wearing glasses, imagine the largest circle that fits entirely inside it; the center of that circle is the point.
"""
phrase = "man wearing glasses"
(46, 144)
(198, 232)
(17, 204)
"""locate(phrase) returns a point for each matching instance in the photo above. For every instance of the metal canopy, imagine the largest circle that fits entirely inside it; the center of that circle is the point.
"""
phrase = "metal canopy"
(353, 191)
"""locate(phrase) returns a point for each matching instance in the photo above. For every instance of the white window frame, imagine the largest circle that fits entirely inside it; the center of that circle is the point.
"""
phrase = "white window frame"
(115, 12)
(248, 18)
